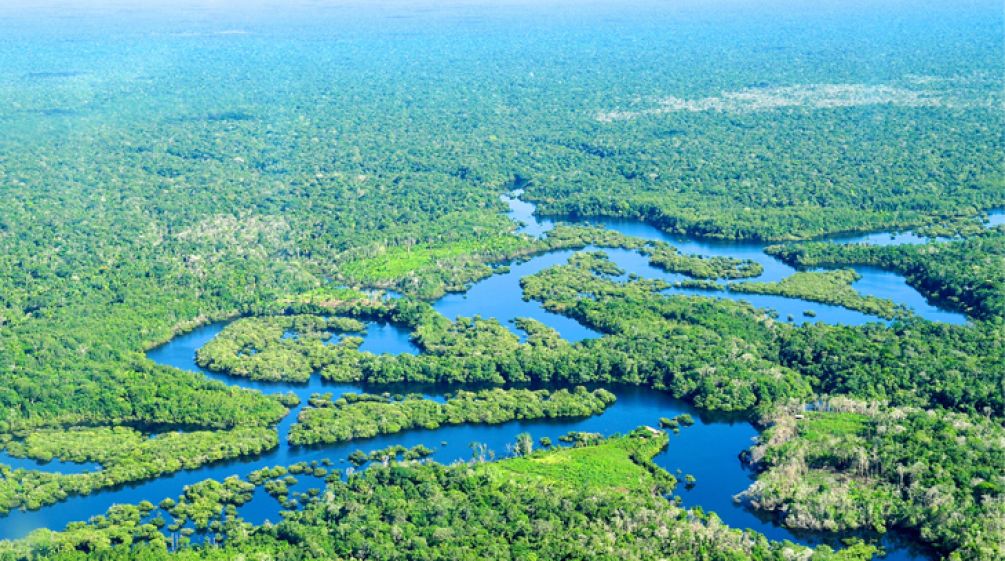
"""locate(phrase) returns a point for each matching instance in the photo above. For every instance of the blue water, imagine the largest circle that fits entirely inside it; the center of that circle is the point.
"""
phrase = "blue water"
(995, 218)
(382, 337)
(523, 213)
(501, 297)
(709, 450)
(54, 466)
(873, 282)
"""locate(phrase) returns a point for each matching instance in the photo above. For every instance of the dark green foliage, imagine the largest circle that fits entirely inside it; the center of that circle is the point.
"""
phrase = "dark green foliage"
(262, 348)
(912, 362)
(141, 196)
(674, 424)
(671, 343)
(533, 507)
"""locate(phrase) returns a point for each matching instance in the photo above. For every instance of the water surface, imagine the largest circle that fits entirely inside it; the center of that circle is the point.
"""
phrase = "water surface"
(709, 450)
(873, 282)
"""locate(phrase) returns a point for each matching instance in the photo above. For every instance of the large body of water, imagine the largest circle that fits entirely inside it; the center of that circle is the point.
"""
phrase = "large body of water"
(709, 450)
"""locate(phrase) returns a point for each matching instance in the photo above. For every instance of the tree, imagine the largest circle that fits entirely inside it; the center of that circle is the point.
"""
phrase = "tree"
(524, 444)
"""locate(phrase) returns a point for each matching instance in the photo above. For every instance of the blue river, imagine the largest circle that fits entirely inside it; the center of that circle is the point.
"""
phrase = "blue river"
(709, 450)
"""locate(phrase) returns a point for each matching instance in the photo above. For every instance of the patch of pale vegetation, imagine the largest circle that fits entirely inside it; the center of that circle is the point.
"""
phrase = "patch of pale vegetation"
(230, 228)
(847, 464)
(246, 236)
(812, 96)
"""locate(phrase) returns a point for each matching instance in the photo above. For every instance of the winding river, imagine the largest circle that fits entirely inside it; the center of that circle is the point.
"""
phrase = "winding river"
(708, 450)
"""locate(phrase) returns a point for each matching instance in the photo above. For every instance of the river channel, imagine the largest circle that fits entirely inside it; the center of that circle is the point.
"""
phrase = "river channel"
(709, 450)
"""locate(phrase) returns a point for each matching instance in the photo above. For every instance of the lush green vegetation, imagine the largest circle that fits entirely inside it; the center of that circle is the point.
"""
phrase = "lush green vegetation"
(139, 395)
(391, 453)
(138, 531)
(192, 199)
(430, 272)
(143, 195)
(855, 464)
(362, 415)
(613, 465)
(912, 362)
(262, 348)
(125, 455)
(967, 273)
(677, 422)
(277, 481)
(599, 501)
(668, 343)
(670, 259)
(827, 287)
(675, 343)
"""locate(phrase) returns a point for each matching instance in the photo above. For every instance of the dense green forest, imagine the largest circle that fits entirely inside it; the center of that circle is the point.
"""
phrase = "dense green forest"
(429, 271)
(599, 501)
(853, 464)
(672, 344)
(208, 211)
(161, 172)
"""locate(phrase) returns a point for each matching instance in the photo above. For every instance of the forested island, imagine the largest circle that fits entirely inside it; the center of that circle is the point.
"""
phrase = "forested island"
(499, 281)
(361, 415)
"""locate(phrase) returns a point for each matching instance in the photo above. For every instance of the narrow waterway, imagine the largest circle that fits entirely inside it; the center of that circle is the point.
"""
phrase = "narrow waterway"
(873, 282)
(708, 450)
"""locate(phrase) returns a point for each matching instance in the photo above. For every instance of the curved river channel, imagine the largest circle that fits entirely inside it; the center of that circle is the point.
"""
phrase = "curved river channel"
(708, 450)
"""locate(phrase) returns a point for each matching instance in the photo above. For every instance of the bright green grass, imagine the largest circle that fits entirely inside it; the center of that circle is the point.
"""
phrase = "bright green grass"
(608, 465)
(397, 262)
(824, 426)
(327, 293)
